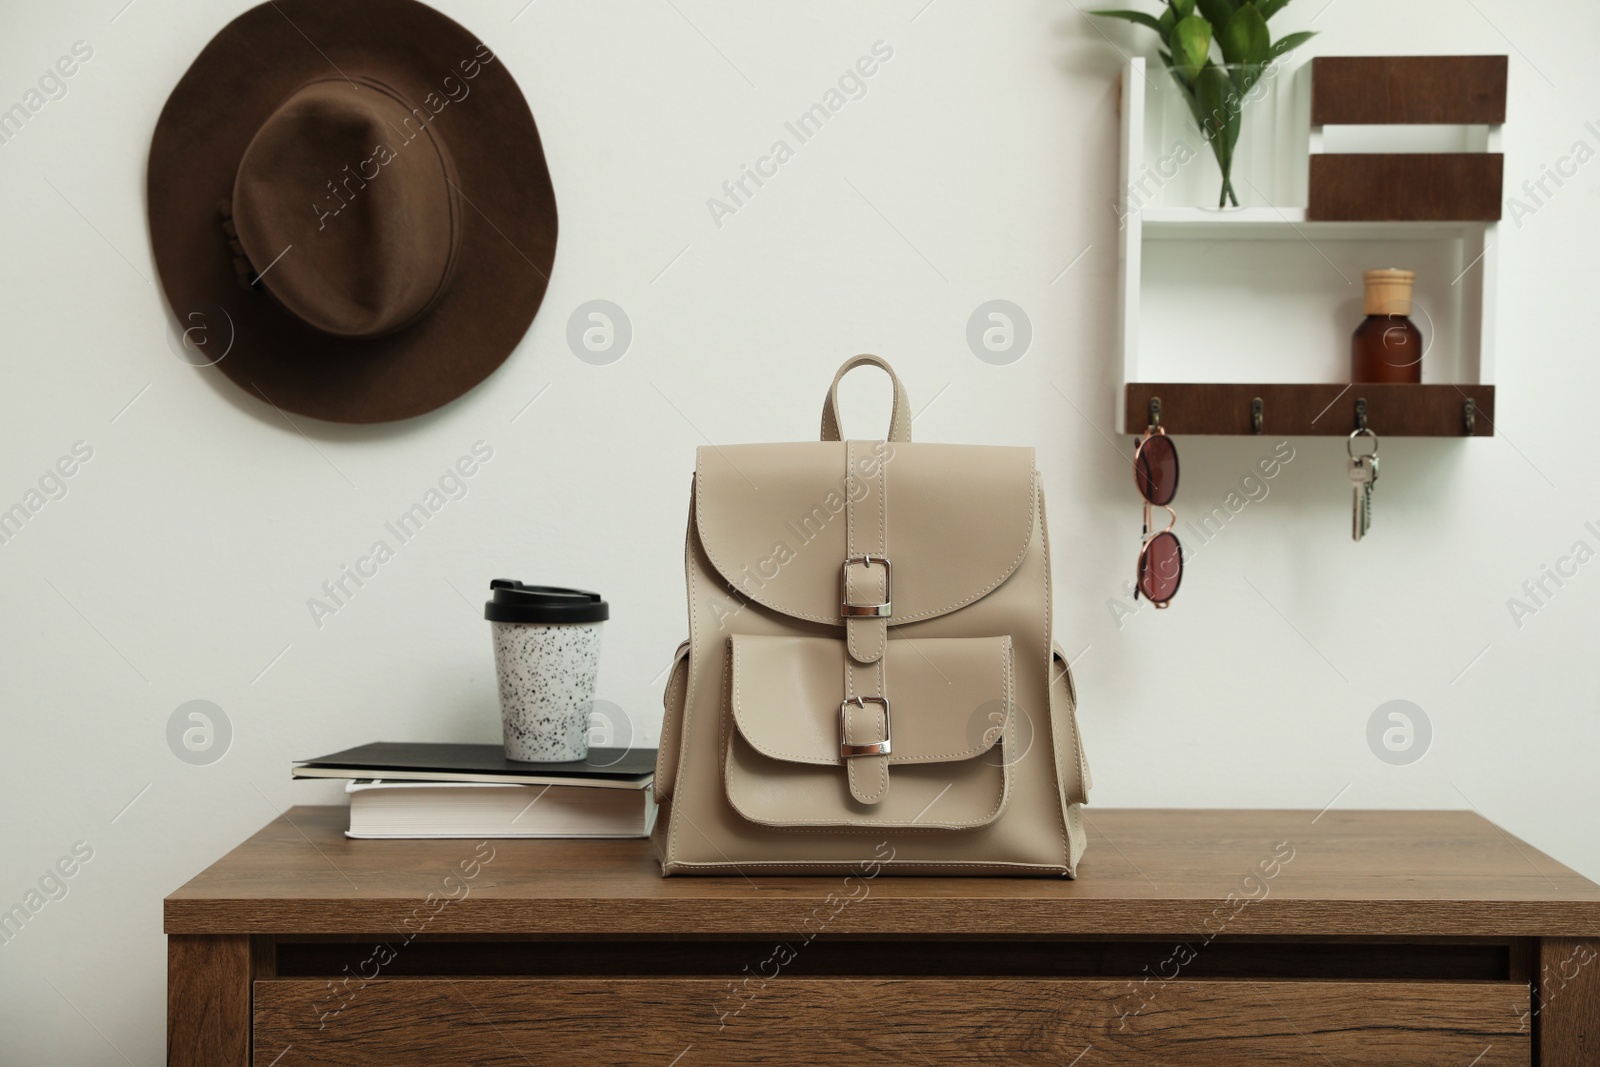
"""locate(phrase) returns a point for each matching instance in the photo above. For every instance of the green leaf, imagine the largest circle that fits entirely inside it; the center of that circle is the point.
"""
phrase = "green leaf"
(1185, 80)
(1219, 119)
(1245, 76)
(1213, 91)
(1184, 8)
(1291, 42)
(1191, 41)
(1134, 16)
(1167, 21)
(1269, 8)
(1184, 76)
(1245, 37)
(1218, 12)
(1194, 107)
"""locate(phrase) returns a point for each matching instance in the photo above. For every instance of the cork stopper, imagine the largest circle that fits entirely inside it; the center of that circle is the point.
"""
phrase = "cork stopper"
(1389, 291)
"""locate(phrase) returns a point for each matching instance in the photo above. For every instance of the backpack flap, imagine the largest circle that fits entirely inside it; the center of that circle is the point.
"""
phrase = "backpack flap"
(775, 520)
(925, 737)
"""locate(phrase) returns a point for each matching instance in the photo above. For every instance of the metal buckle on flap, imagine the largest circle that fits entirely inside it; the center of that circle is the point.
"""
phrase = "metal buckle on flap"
(875, 748)
(872, 611)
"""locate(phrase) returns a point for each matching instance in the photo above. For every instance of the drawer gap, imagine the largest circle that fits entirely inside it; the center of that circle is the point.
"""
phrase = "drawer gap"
(1479, 960)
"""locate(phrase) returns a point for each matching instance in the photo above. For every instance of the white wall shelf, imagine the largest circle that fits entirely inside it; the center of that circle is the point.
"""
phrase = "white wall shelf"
(1259, 294)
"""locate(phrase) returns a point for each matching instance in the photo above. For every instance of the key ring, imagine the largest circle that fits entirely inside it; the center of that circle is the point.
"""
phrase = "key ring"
(1350, 445)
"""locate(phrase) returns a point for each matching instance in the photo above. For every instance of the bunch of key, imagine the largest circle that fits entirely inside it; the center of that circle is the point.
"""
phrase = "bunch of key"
(1363, 473)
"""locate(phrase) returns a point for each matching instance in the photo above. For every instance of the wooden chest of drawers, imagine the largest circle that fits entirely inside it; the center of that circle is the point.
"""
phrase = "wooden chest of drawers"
(1190, 937)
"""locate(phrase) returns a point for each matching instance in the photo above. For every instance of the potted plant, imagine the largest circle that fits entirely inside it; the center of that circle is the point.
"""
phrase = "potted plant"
(1216, 92)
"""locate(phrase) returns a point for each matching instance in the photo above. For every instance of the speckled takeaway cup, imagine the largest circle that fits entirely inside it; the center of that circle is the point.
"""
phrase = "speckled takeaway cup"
(546, 656)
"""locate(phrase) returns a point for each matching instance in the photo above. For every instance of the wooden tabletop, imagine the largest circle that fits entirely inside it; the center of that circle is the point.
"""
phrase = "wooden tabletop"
(1147, 872)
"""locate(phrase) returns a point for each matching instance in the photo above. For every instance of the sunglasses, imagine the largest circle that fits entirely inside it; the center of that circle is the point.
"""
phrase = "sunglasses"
(1155, 472)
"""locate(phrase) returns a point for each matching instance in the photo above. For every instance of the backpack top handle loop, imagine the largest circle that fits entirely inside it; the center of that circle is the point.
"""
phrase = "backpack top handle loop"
(899, 422)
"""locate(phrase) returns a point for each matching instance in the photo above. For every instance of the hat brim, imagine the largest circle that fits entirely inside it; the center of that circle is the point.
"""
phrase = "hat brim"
(509, 210)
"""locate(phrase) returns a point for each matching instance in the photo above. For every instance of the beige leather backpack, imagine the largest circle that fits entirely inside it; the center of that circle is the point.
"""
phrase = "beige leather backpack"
(869, 681)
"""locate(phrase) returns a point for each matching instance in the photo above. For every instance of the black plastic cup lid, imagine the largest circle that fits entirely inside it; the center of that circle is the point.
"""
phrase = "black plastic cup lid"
(515, 602)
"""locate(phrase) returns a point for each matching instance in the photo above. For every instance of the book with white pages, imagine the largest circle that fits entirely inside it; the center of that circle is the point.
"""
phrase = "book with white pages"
(411, 809)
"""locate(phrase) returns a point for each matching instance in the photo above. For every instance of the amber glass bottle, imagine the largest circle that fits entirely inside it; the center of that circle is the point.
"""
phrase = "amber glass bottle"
(1387, 346)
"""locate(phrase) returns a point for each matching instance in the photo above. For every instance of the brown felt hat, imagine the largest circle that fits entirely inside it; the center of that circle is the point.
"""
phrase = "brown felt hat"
(349, 198)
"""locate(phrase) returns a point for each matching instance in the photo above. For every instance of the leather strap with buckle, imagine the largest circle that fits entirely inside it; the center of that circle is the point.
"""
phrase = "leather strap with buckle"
(865, 603)
(882, 610)
(864, 739)
(849, 749)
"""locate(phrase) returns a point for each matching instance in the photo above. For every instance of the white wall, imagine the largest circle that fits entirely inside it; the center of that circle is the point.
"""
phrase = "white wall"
(981, 162)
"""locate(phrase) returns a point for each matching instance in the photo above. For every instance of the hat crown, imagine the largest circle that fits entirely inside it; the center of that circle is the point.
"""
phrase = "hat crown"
(373, 260)
(346, 205)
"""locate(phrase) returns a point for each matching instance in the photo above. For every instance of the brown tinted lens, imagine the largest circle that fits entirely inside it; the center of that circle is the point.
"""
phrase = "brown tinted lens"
(1160, 568)
(1156, 470)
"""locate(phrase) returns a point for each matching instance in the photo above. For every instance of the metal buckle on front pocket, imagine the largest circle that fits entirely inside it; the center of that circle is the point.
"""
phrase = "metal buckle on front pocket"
(871, 611)
(875, 748)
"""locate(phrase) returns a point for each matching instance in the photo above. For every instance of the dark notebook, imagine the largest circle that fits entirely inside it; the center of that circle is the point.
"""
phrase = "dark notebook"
(609, 768)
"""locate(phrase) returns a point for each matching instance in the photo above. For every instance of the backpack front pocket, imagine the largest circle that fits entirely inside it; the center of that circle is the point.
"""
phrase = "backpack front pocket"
(921, 739)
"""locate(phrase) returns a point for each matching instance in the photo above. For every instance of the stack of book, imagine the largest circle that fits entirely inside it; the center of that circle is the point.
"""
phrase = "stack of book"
(427, 790)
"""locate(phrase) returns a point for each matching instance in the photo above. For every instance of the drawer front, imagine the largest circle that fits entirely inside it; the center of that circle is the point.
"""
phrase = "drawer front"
(654, 1022)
